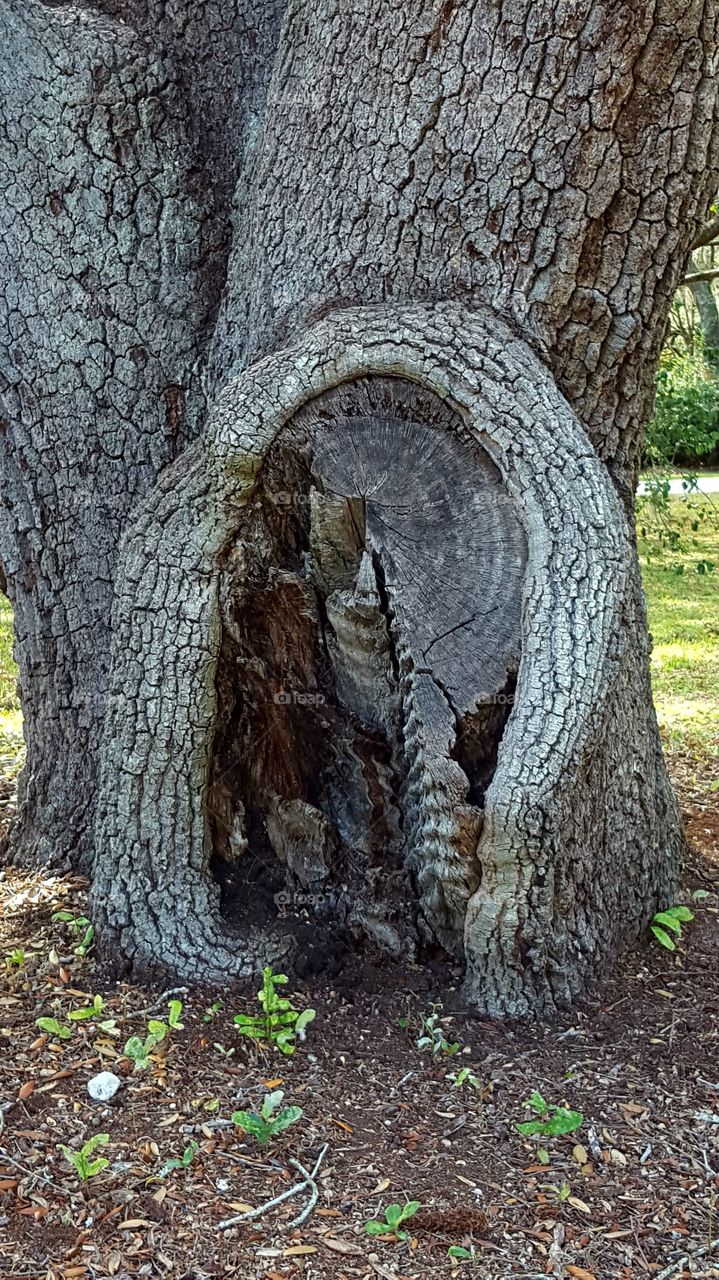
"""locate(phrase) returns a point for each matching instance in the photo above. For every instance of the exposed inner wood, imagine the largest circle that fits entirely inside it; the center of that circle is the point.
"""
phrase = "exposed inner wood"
(371, 615)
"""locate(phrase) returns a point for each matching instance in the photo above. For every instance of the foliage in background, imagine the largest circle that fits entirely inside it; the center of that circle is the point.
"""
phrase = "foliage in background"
(684, 428)
(683, 606)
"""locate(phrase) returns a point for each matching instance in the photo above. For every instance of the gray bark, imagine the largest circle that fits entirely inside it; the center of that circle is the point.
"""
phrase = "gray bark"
(706, 304)
(491, 203)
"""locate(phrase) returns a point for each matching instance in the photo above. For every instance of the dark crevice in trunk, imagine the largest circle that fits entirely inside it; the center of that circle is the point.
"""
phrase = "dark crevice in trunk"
(340, 789)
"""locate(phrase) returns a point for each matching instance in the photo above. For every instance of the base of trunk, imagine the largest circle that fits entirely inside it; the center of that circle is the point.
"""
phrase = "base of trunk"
(320, 620)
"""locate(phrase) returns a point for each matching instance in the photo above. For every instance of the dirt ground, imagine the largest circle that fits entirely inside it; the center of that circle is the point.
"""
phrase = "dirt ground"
(631, 1193)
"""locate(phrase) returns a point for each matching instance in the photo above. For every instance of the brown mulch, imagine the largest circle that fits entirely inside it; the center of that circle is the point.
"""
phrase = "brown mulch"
(632, 1193)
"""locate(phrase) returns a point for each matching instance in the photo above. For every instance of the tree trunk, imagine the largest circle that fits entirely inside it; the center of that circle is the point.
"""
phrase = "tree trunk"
(387, 289)
(706, 304)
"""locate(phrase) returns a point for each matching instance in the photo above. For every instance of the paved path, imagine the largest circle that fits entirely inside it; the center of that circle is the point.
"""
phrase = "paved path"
(705, 484)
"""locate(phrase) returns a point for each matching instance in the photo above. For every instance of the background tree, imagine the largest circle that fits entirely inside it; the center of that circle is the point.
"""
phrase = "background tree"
(409, 267)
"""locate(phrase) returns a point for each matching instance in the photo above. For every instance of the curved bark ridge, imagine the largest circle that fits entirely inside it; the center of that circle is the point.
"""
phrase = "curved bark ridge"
(371, 611)
(228, 597)
(553, 160)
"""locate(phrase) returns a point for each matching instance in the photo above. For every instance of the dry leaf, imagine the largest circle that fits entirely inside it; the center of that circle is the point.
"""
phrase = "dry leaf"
(382, 1185)
(25, 1090)
(580, 1273)
(133, 1224)
(576, 1203)
(341, 1246)
(296, 1250)
(341, 1125)
(580, 1154)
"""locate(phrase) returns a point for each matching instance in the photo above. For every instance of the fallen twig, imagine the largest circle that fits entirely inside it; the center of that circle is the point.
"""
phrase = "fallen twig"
(684, 1261)
(308, 1183)
(142, 1013)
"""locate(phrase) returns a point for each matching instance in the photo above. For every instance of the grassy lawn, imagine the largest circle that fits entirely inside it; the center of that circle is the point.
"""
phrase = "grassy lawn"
(10, 715)
(683, 607)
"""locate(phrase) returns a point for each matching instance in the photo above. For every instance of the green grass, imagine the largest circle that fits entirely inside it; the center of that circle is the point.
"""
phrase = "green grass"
(683, 606)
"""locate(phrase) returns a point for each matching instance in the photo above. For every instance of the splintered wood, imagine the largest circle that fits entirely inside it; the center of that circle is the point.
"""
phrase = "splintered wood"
(371, 611)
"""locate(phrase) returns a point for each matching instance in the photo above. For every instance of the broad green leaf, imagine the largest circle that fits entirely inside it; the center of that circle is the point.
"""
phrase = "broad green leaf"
(305, 1019)
(375, 1228)
(663, 938)
(563, 1121)
(537, 1103)
(393, 1214)
(530, 1127)
(679, 913)
(99, 1140)
(456, 1251)
(286, 1118)
(253, 1124)
(157, 1029)
(271, 1102)
(173, 1015)
(669, 921)
(53, 1028)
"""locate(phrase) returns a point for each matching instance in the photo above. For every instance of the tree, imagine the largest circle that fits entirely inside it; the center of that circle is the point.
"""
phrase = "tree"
(328, 335)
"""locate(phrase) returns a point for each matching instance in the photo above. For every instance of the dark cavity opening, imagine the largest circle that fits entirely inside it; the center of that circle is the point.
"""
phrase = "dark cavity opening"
(371, 638)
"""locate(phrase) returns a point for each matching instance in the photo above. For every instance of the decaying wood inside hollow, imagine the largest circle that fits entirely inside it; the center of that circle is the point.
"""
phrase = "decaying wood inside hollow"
(371, 637)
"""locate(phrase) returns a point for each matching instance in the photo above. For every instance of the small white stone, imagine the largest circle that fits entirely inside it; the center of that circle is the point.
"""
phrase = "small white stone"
(103, 1087)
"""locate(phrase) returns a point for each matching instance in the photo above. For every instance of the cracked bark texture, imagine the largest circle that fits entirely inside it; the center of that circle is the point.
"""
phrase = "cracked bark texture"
(188, 190)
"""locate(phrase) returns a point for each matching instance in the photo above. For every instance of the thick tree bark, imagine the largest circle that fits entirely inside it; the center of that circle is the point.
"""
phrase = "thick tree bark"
(491, 206)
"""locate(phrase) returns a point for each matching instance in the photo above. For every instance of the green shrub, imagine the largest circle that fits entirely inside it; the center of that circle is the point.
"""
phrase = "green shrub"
(685, 424)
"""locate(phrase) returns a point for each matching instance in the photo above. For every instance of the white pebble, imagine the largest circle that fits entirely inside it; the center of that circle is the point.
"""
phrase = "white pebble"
(104, 1086)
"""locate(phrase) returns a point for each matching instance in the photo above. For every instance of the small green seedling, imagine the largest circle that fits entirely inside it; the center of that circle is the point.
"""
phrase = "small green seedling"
(212, 1011)
(465, 1076)
(53, 1028)
(16, 959)
(562, 1193)
(158, 1029)
(223, 1052)
(93, 1010)
(139, 1050)
(394, 1216)
(279, 1024)
(432, 1035)
(552, 1120)
(81, 926)
(265, 1124)
(672, 919)
(184, 1162)
(84, 1167)
(459, 1252)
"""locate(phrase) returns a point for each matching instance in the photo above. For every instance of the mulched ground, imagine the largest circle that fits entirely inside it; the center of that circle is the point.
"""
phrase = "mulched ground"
(633, 1193)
